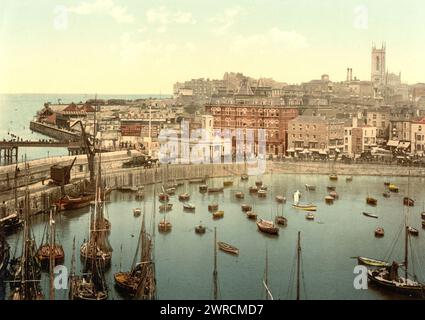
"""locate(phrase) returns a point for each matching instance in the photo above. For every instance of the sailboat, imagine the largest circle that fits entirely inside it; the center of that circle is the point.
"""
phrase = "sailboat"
(164, 225)
(4, 260)
(140, 281)
(297, 205)
(388, 277)
(51, 249)
(280, 219)
(26, 271)
(98, 247)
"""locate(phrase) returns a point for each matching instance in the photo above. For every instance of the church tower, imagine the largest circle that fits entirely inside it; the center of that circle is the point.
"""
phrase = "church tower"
(378, 65)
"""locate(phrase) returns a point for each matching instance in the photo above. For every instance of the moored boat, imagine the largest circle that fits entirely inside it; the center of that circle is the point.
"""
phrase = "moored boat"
(239, 195)
(246, 207)
(281, 220)
(310, 187)
(165, 207)
(11, 223)
(227, 183)
(189, 206)
(370, 215)
(228, 248)
(267, 227)
(244, 177)
(334, 195)
(408, 202)
(349, 178)
(393, 188)
(251, 215)
(164, 225)
(413, 231)
(253, 189)
(163, 197)
(329, 199)
(203, 188)
(218, 214)
(386, 195)
(372, 262)
(215, 189)
(371, 201)
(280, 199)
(379, 232)
(137, 212)
(258, 183)
(184, 196)
(331, 188)
(213, 207)
(333, 177)
(305, 207)
(262, 193)
(310, 216)
(200, 228)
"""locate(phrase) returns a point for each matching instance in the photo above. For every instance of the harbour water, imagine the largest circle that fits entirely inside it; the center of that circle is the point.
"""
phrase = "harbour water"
(184, 260)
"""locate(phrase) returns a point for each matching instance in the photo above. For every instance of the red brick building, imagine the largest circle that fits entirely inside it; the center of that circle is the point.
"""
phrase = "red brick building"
(274, 119)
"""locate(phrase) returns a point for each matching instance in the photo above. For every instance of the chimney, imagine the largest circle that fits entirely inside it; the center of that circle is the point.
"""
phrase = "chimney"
(348, 74)
(351, 74)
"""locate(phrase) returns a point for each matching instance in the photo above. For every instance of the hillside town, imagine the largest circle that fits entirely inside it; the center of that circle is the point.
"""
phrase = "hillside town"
(380, 118)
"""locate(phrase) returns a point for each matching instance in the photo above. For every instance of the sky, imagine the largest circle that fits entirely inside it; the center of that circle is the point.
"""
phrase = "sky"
(143, 47)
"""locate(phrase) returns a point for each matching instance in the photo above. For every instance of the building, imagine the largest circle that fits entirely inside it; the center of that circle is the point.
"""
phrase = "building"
(379, 118)
(315, 135)
(378, 66)
(363, 139)
(273, 119)
(418, 137)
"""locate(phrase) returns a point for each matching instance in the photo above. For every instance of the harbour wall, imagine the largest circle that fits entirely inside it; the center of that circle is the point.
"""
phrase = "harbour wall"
(54, 132)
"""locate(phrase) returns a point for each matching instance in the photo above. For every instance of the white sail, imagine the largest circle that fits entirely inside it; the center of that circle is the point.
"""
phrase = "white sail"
(297, 197)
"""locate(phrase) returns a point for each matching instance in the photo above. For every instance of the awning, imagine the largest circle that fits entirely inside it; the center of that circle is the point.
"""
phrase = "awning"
(392, 143)
(290, 150)
(299, 149)
(404, 145)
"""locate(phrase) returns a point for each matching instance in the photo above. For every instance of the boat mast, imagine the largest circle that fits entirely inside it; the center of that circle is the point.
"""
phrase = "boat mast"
(298, 264)
(406, 230)
(266, 278)
(215, 264)
(51, 255)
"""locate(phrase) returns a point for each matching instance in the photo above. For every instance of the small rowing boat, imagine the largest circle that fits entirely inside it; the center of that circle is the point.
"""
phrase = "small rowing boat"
(267, 227)
(370, 215)
(379, 232)
(280, 199)
(413, 231)
(305, 207)
(251, 215)
(218, 214)
(228, 248)
(239, 195)
(137, 212)
(371, 201)
(188, 206)
(246, 207)
(372, 262)
(310, 216)
(310, 187)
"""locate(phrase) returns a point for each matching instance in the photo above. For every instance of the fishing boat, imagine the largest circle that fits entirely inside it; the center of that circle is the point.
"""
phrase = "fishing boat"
(51, 249)
(372, 262)
(349, 178)
(4, 255)
(408, 202)
(164, 225)
(189, 206)
(329, 199)
(184, 196)
(97, 247)
(267, 227)
(333, 177)
(163, 197)
(170, 191)
(310, 187)
(262, 193)
(253, 189)
(280, 199)
(331, 188)
(251, 215)
(310, 216)
(25, 271)
(166, 207)
(212, 207)
(281, 220)
(215, 189)
(379, 232)
(227, 183)
(371, 201)
(218, 214)
(11, 223)
(140, 281)
(244, 177)
(388, 278)
(246, 207)
(334, 195)
(258, 183)
(370, 215)
(393, 188)
(386, 195)
(72, 203)
(413, 231)
(239, 195)
(203, 188)
(200, 228)
(228, 248)
(137, 212)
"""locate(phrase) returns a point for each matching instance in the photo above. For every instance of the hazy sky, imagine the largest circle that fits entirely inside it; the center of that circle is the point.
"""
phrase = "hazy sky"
(144, 46)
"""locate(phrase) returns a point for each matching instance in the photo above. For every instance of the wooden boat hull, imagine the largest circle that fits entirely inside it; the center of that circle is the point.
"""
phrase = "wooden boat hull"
(370, 215)
(218, 215)
(228, 248)
(280, 199)
(280, 220)
(44, 255)
(251, 215)
(411, 290)
(408, 202)
(82, 290)
(215, 190)
(371, 201)
(310, 187)
(372, 262)
(212, 207)
(200, 229)
(305, 207)
(266, 228)
(246, 207)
